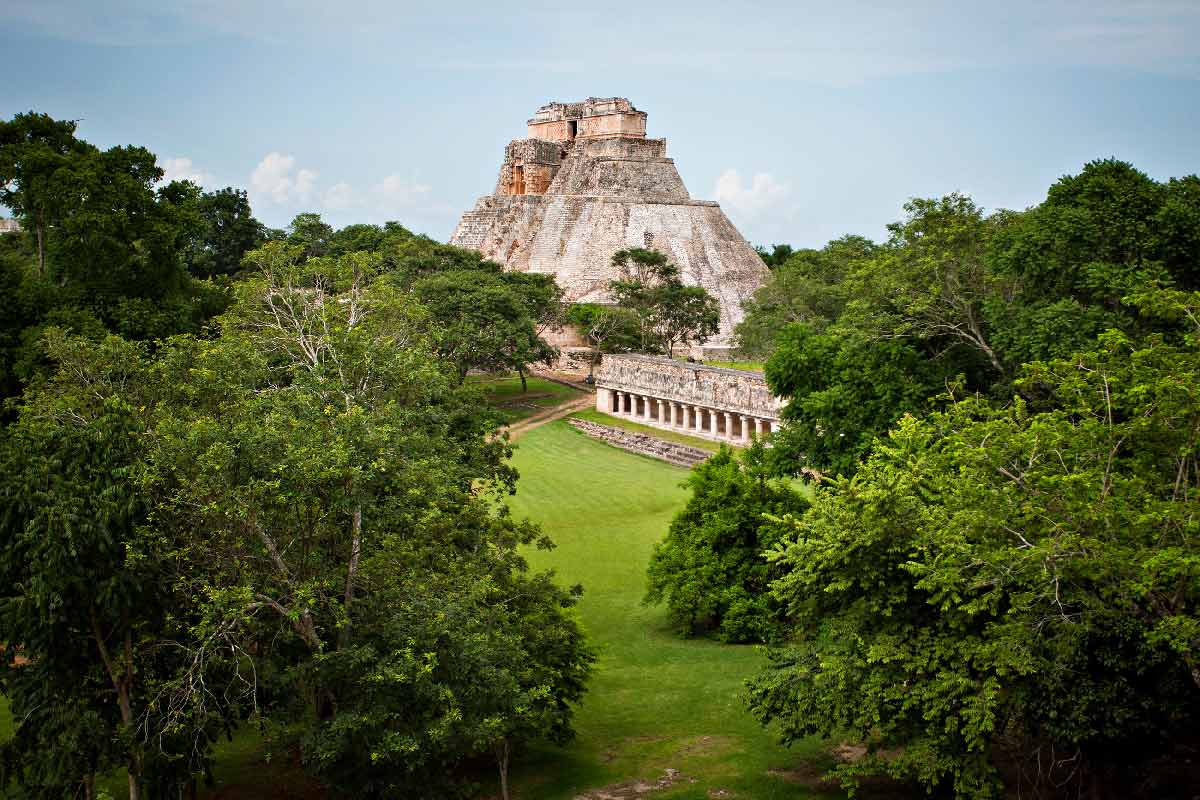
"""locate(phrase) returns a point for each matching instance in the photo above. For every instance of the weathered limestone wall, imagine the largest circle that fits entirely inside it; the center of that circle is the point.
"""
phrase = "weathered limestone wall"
(715, 388)
(679, 454)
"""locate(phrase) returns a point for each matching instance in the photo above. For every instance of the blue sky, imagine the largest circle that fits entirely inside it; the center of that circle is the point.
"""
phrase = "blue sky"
(805, 120)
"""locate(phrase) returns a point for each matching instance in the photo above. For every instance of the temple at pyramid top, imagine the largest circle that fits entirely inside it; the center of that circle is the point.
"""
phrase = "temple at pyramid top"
(587, 182)
(594, 118)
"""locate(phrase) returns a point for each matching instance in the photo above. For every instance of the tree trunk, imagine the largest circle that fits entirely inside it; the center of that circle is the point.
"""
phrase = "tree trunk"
(521, 372)
(89, 786)
(122, 681)
(502, 763)
(351, 574)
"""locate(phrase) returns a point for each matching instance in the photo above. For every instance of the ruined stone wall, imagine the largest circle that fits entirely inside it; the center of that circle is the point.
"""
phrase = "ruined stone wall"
(624, 148)
(633, 124)
(712, 387)
(680, 455)
(555, 131)
(624, 178)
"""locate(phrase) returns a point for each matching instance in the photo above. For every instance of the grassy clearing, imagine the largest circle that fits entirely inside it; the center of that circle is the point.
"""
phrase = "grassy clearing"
(655, 701)
(671, 436)
(504, 394)
(748, 366)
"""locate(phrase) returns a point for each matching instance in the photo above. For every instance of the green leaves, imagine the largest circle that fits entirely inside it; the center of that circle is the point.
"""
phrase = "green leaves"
(1019, 576)
(710, 569)
(668, 313)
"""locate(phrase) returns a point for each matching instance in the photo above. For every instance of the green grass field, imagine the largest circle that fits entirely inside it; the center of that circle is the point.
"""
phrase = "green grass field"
(655, 701)
(749, 366)
(504, 394)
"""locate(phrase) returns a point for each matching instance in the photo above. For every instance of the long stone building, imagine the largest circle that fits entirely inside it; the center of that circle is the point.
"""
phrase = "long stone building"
(585, 183)
(712, 402)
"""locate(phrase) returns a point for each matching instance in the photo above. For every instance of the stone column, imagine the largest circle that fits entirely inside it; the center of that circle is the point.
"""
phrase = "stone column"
(726, 417)
(680, 415)
(646, 401)
(604, 399)
(745, 437)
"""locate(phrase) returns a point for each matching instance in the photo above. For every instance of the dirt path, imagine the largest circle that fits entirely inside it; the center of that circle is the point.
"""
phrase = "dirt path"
(551, 414)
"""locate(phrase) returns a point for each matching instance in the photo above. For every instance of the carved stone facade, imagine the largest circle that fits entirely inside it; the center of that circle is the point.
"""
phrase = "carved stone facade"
(715, 403)
(9, 226)
(587, 183)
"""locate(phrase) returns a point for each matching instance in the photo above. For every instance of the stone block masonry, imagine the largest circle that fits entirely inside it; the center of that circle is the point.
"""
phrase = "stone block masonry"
(678, 454)
(728, 405)
(587, 183)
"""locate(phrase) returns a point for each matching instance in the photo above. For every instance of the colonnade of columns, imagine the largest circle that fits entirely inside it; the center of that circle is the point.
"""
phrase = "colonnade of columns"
(685, 417)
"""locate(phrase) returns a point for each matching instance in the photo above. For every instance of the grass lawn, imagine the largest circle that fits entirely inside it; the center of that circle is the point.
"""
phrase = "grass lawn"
(504, 394)
(655, 701)
(592, 415)
(748, 366)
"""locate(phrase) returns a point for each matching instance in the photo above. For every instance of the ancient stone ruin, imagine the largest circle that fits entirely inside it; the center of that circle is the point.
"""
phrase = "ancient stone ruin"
(729, 405)
(587, 183)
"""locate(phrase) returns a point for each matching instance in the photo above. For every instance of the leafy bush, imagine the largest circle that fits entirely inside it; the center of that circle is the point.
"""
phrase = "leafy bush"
(710, 570)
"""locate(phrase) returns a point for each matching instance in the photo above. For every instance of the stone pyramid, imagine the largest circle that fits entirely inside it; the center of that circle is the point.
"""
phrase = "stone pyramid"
(587, 183)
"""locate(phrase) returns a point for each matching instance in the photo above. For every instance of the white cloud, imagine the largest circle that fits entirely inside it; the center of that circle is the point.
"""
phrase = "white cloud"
(304, 183)
(395, 192)
(340, 197)
(273, 178)
(182, 169)
(763, 194)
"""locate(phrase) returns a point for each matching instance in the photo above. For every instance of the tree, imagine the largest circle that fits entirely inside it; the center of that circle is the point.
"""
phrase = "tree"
(608, 329)
(844, 391)
(932, 280)
(87, 600)
(310, 233)
(776, 256)
(33, 149)
(995, 585)
(335, 492)
(482, 320)
(229, 232)
(668, 312)
(809, 287)
(710, 570)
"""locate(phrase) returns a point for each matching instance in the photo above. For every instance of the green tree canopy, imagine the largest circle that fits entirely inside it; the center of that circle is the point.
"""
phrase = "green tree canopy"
(710, 570)
(669, 314)
(998, 583)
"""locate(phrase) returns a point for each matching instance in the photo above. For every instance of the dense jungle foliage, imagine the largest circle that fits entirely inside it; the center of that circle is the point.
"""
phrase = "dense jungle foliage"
(243, 482)
(995, 587)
